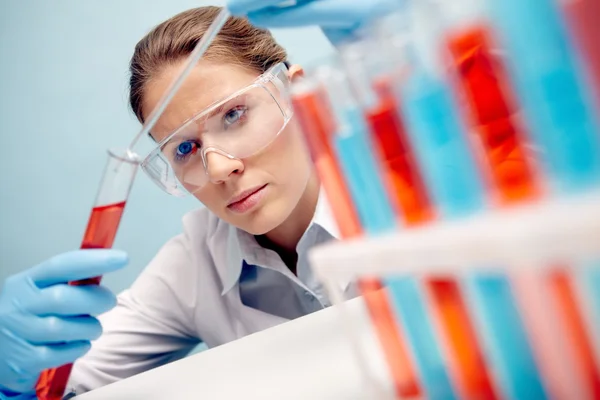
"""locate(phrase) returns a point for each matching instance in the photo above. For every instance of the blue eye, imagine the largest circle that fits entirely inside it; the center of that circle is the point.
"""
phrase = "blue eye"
(185, 149)
(234, 115)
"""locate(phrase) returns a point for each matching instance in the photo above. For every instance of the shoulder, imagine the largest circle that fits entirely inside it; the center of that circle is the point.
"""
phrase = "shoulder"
(194, 245)
(186, 263)
(199, 253)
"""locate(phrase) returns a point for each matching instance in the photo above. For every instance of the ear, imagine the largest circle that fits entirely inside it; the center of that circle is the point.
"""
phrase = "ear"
(294, 72)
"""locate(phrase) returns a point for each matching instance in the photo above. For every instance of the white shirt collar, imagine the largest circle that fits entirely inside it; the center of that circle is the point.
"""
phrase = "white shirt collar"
(242, 246)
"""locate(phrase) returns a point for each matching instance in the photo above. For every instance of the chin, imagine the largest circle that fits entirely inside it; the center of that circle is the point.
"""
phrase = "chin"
(263, 220)
(260, 224)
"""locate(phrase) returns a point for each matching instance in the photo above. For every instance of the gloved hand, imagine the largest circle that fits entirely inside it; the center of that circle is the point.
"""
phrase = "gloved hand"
(44, 322)
(339, 19)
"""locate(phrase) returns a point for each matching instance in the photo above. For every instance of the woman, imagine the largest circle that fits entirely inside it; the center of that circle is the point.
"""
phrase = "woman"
(240, 265)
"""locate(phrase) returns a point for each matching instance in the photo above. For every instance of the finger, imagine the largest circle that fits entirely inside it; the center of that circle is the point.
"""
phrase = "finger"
(76, 265)
(52, 329)
(23, 383)
(67, 300)
(336, 14)
(243, 7)
(56, 355)
(13, 354)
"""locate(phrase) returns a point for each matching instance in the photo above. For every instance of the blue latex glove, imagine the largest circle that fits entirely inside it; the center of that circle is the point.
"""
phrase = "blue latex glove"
(45, 323)
(339, 19)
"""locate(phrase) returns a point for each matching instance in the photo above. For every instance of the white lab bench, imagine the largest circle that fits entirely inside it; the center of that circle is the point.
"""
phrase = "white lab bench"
(307, 358)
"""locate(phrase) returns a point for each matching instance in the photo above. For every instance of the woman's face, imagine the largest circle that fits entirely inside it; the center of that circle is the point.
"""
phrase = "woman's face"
(256, 193)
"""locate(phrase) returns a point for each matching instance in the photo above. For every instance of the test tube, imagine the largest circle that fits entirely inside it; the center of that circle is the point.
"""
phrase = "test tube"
(372, 86)
(318, 126)
(100, 233)
(442, 143)
(345, 138)
(435, 134)
(455, 184)
(373, 89)
(582, 19)
(557, 104)
(491, 109)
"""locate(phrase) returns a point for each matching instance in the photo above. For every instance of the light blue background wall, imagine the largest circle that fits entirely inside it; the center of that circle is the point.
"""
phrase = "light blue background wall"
(63, 101)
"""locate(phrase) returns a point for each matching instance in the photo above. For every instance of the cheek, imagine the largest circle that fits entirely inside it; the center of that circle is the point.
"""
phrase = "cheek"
(210, 198)
(287, 156)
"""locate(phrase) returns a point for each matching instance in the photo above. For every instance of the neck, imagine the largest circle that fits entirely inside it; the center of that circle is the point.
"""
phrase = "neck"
(285, 237)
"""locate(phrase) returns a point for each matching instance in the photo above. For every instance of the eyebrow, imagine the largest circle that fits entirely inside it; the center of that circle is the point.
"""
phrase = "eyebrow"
(216, 111)
(211, 114)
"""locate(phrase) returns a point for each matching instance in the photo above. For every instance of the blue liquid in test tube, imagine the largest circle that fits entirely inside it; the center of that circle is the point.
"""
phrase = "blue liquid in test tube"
(452, 178)
(377, 216)
(368, 193)
(362, 175)
(557, 105)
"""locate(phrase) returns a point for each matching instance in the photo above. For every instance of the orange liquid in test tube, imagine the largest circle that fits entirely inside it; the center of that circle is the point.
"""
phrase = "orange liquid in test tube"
(391, 338)
(310, 111)
(318, 127)
(490, 107)
(462, 338)
(572, 319)
(406, 183)
(484, 82)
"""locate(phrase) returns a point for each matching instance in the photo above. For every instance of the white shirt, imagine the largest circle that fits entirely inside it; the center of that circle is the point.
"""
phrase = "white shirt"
(212, 283)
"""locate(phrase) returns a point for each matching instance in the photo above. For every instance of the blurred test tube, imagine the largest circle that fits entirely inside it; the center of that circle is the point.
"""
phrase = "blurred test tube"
(317, 124)
(582, 18)
(438, 136)
(490, 108)
(372, 82)
(337, 130)
(557, 105)
(348, 141)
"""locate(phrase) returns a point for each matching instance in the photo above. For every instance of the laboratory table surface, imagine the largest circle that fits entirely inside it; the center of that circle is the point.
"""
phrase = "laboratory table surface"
(308, 358)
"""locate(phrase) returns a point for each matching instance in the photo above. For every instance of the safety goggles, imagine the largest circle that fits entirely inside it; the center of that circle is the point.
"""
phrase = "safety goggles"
(237, 127)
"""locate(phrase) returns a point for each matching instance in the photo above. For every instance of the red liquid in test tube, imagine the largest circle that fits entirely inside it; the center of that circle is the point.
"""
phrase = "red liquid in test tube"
(405, 185)
(312, 112)
(582, 18)
(484, 82)
(448, 302)
(100, 234)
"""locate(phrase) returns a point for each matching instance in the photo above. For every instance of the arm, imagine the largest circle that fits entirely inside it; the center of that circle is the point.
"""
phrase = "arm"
(339, 19)
(149, 327)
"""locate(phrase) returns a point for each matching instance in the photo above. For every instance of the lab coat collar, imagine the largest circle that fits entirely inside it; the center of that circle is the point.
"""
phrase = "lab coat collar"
(242, 246)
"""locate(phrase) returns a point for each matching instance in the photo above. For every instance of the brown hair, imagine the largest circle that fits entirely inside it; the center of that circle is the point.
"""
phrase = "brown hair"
(238, 42)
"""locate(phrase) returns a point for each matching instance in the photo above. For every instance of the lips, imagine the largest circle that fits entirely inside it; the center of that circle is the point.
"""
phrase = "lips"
(247, 199)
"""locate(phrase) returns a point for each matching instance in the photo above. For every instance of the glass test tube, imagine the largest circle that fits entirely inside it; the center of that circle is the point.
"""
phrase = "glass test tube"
(318, 126)
(100, 233)
(582, 17)
(405, 187)
(347, 138)
(557, 105)
(491, 109)
(435, 129)
(434, 109)
(386, 128)
(433, 133)
(582, 22)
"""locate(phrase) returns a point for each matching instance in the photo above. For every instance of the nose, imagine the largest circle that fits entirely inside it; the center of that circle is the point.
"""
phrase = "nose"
(220, 166)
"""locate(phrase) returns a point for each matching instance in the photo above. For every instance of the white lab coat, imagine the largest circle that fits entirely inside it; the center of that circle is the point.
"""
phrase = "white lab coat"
(184, 295)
